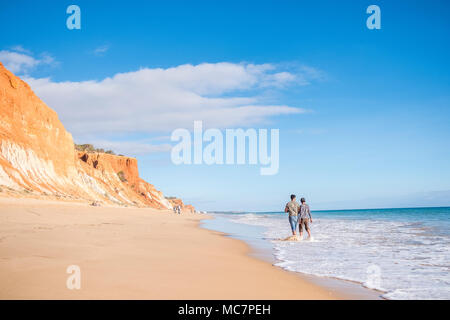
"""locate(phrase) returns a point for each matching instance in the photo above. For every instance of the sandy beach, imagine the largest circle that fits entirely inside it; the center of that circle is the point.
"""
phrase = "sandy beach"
(131, 253)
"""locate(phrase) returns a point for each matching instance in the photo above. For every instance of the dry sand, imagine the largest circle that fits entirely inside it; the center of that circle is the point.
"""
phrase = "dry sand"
(130, 253)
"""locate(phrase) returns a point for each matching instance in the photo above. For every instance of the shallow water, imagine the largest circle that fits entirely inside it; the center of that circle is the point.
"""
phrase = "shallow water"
(403, 252)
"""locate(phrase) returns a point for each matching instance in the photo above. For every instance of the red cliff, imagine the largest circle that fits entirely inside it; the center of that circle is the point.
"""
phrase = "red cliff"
(37, 155)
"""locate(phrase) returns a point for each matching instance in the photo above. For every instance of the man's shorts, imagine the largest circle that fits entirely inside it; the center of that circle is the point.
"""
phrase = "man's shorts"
(304, 222)
(293, 220)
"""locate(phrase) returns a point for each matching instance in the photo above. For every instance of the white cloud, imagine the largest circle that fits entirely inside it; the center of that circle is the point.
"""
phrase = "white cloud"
(19, 48)
(159, 100)
(100, 51)
(19, 60)
(46, 58)
(312, 73)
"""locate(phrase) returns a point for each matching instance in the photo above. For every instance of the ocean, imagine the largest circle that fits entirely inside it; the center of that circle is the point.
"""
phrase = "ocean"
(402, 252)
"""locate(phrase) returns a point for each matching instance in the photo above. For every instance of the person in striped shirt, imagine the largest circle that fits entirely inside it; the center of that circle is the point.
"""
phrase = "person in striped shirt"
(305, 218)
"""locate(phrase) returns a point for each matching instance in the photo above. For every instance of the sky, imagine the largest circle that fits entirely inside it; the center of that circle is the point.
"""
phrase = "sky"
(363, 114)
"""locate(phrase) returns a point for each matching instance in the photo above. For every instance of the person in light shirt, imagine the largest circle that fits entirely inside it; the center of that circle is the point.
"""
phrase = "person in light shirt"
(292, 208)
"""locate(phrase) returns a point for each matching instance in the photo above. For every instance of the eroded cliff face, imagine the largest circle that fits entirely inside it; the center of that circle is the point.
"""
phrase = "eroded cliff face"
(118, 176)
(184, 207)
(37, 155)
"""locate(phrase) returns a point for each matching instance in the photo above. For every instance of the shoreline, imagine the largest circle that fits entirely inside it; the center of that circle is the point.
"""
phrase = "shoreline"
(262, 250)
(132, 253)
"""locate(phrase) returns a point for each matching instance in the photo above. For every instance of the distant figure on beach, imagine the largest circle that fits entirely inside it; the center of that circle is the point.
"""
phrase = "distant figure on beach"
(305, 218)
(177, 209)
(292, 207)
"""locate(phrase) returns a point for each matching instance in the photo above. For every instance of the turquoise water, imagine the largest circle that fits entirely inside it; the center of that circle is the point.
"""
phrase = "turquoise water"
(402, 252)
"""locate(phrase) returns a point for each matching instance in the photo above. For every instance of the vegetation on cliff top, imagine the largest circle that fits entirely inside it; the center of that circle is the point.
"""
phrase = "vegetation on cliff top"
(89, 148)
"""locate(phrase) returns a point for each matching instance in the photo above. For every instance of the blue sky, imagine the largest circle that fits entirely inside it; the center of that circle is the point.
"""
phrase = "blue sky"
(368, 110)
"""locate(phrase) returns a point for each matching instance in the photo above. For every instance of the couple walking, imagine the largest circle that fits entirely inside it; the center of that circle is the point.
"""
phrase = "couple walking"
(299, 215)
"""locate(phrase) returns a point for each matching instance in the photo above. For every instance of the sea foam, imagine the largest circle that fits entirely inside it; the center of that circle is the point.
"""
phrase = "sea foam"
(399, 252)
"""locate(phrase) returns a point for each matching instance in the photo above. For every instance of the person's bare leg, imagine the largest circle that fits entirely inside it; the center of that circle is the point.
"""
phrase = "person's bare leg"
(309, 232)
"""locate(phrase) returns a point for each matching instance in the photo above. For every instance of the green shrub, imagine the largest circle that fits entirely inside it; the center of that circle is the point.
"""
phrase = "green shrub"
(84, 147)
(89, 148)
